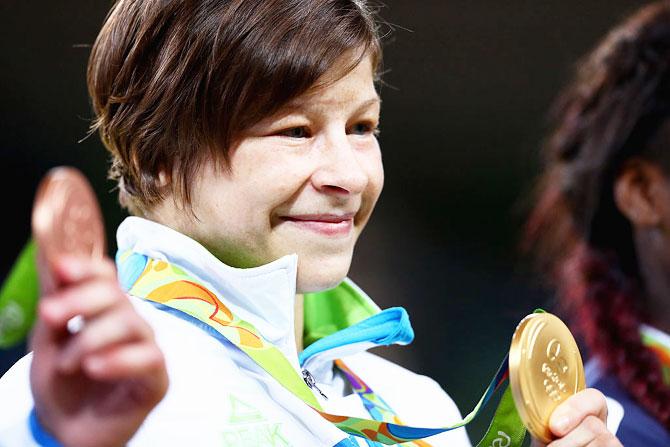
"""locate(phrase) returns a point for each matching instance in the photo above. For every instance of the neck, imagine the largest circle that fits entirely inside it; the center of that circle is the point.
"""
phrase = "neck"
(653, 252)
(299, 320)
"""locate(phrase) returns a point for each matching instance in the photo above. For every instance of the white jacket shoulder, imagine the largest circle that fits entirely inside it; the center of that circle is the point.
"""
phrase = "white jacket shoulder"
(16, 402)
(16, 399)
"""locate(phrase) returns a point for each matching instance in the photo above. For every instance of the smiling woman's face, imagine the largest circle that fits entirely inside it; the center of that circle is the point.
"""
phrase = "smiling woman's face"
(303, 181)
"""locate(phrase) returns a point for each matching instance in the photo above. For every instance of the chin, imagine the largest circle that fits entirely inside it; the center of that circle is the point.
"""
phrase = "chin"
(319, 276)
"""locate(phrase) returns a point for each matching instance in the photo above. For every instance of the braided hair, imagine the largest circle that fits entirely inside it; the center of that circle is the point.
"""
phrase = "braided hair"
(617, 107)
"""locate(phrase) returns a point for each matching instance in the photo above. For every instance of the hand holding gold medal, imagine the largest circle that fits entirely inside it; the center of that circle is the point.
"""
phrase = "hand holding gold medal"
(545, 369)
(547, 384)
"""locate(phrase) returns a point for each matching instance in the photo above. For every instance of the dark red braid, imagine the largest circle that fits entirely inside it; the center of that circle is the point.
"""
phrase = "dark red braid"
(603, 302)
(617, 107)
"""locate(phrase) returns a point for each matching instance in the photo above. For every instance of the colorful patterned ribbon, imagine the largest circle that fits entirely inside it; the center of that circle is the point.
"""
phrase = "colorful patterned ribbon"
(495, 436)
(373, 403)
(173, 289)
(659, 343)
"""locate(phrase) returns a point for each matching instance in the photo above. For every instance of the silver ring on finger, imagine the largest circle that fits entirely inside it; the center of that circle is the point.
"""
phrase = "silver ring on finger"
(75, 324)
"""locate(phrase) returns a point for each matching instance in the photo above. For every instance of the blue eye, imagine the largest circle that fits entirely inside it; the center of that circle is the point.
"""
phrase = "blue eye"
(363, 129)
(295, 132)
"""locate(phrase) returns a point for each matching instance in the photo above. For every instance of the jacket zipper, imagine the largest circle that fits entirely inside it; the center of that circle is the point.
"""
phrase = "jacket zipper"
(311, 383)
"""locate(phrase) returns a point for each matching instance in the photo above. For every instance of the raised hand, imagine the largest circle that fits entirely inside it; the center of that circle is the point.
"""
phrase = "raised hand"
(580, 421)
(94, 387)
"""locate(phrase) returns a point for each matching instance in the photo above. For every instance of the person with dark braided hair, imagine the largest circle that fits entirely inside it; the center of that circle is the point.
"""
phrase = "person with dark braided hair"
(243, 137)
(601, 223)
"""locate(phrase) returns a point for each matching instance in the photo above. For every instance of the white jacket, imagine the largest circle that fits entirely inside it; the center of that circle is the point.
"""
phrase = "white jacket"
(218, 396)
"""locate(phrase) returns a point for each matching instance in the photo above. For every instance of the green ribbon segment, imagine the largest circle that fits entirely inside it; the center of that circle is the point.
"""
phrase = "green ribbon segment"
(506, 429)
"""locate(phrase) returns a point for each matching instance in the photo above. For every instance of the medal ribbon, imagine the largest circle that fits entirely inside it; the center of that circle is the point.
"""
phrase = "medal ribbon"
(506, 417)
(373, 403)
(172, 288)
(659, 343)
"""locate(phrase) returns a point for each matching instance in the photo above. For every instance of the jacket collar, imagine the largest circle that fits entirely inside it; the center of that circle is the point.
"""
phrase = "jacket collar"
(344, 321)
(338, 322)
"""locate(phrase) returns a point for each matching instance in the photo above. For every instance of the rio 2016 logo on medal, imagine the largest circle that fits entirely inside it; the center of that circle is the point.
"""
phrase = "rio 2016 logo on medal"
(545, 368)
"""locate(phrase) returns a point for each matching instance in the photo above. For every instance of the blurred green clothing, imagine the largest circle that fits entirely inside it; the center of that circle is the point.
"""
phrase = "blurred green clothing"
(18, 299)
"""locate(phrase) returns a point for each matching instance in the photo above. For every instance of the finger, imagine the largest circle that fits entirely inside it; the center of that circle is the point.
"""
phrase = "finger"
(125, 362)
(70, 269)
(87, 299)
(573, 411)
(586, 432)
(605, 440)
(112, 328)
(42, 337)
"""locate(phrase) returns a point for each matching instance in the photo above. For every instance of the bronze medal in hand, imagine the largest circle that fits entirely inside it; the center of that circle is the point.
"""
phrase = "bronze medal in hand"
(66, 220)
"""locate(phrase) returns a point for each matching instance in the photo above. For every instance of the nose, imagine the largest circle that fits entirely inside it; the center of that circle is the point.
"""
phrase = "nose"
(340, 170)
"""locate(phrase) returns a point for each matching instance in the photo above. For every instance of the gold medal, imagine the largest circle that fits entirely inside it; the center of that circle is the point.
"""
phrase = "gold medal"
(545, 368)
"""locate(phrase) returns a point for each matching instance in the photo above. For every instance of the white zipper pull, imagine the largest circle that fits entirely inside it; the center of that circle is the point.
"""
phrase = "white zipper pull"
(311, 383)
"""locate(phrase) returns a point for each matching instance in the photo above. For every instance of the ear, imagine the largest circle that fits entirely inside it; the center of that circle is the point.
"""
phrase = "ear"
(163, 179)
(639, 190)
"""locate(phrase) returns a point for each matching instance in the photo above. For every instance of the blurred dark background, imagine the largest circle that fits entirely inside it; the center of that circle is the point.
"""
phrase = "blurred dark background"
(467, 87)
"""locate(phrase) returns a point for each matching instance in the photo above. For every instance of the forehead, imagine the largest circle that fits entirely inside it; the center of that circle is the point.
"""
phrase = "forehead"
(335, 90)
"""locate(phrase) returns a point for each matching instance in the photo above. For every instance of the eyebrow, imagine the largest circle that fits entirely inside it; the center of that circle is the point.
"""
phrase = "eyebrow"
(369, 102)
(292, 107)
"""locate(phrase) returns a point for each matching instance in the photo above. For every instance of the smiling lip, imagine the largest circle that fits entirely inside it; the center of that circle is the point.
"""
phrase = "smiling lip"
(326, 224)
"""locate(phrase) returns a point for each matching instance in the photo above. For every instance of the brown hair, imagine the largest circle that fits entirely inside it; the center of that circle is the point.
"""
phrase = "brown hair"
(172, 81)
(618, 107)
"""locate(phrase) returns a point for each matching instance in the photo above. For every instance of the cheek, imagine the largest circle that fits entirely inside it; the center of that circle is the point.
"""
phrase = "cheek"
(269, 181)
(224, 207)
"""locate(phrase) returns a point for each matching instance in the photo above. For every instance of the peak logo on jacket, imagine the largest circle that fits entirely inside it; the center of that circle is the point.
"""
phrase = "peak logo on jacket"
(247, 426)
